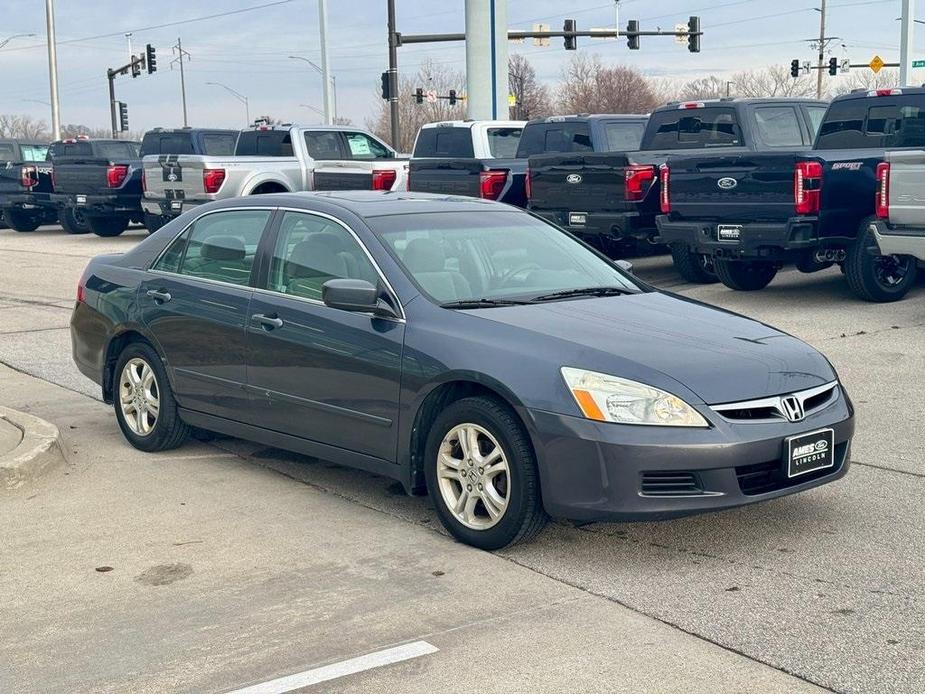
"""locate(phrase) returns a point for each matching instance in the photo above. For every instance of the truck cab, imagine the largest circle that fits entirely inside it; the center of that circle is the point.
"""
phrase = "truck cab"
(25, 184)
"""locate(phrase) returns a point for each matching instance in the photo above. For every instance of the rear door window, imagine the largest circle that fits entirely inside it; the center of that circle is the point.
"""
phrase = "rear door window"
(362, 146)
(873, 122)
(502, 142)
(219, 144)
(446, 142)
(779, 126)
(264, 143)
(692, 128)
(324, 144)
(623, 136)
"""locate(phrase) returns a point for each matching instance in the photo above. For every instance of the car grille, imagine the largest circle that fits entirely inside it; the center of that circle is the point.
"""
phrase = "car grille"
(761, 478)
(773, 409)
(673, 483)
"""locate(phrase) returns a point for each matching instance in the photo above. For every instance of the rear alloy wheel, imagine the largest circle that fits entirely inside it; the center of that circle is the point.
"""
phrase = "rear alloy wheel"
(107, 226)
(144, 404)
(875, 277)
(481, 474)
(744, 275)
(73, 220)
(694, 267)
(20, 220)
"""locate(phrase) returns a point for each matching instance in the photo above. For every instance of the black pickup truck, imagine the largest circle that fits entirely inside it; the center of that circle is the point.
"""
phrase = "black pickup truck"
(755, 212)
(611, 195)
(25, 185)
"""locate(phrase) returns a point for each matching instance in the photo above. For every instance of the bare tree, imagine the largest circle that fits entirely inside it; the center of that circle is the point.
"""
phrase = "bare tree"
(711, 87)
(774, 80)
(867, 79)
(23, 127)
(532, 98)
(76, 129)
(588, 86)
(342, 120)
(412, 115)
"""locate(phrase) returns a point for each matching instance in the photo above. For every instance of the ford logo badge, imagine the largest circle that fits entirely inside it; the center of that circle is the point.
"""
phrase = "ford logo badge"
(573, 178)
(172, 177)
(727, 183)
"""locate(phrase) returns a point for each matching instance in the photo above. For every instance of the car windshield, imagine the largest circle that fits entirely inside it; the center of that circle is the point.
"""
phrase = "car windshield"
(496, 255)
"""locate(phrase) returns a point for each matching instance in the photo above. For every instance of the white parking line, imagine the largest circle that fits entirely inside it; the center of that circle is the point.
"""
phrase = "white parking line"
(341, 669)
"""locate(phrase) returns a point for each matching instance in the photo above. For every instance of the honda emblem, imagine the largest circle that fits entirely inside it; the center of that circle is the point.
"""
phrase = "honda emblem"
(792, 408)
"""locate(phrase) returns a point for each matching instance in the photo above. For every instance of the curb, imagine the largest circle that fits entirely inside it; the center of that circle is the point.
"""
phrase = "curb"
(37, 452)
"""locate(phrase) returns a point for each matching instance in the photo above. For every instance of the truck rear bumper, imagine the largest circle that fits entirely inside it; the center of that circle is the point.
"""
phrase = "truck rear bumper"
(168, 208)
(902, 241)
(99, 204)
(616, 225)
(26, 201)
(774, 240)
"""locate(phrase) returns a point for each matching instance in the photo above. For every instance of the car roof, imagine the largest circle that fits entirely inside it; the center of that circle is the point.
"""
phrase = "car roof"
(191, 129)
(732, 100)
(872, 93)
(472, 123)
(586, 117)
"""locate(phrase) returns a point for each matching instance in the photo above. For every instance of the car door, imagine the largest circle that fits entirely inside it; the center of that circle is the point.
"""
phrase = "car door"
(195, 304)
(324, 374)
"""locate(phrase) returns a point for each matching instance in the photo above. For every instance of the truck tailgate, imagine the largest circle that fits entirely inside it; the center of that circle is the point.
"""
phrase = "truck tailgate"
(907, 180)
(445, 176)
(578, 181)
(174, 176)
(357, 175)
(80, 175)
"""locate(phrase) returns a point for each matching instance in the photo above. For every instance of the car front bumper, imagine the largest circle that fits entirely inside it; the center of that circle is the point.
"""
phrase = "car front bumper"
(899, 241)
(594, 471)
(765, 240)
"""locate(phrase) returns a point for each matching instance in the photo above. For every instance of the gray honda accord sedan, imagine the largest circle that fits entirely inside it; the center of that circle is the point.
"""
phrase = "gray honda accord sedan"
(463, 347)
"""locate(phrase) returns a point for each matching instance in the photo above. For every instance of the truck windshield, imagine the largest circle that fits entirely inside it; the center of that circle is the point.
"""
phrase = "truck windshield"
(697, 128)
(556, 136)
(624, 136)
(502, 142)
(33, 152)
(874, 122)
(117, 150)
(493, 256)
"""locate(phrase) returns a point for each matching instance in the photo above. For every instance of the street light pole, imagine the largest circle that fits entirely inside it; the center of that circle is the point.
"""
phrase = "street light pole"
(5, 41)
(325, 67)
(321, 72)
(393, 78)
(239, 96)
(53, 69)
(905, 41)
(822, 43)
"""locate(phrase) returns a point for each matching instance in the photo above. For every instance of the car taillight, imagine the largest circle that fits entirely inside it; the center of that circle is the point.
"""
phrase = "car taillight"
(807, 186)
(664, 175)
(28, 176)
(384, 179)
(638, 179)
(885, 92)
(491, 183)
(528, 184)
(883, 190)
(212, 179)
(115, 175)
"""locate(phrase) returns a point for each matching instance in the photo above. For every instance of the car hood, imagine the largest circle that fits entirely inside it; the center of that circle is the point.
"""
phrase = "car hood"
(717, 355)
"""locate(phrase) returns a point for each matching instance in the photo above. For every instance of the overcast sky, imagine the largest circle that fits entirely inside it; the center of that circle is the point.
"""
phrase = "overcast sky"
(249, 51)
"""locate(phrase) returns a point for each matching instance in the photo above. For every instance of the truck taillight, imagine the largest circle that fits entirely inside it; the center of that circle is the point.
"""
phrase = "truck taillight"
(212, 179)
(807, 186)
(384, 179)
(28, 176)
(491, 183)
(638, 179)
(528, 184)
(664, 198)
(115, 175)
(883, 190)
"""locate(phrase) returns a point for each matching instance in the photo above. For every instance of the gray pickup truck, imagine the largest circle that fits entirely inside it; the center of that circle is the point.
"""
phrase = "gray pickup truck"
(273, 159)
(899, 228)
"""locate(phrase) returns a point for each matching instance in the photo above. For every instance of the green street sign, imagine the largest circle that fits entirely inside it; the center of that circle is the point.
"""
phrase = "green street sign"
(918, 63)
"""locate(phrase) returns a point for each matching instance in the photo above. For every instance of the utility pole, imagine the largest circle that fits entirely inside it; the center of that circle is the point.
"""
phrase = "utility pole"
(393, 78)
(325, 67)
(822, 44)
(905, 41)
(53, 69)
(181, 55)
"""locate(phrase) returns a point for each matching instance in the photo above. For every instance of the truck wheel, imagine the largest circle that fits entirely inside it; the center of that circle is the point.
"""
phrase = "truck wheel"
(73, 221)
(153, 222)
(875, 277)
(107, 226)
(745, 275)
(694, 267)
(20, 220)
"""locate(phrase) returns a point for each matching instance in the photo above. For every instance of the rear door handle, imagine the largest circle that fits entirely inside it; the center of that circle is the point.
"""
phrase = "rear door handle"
(268, 322)
(159, 297)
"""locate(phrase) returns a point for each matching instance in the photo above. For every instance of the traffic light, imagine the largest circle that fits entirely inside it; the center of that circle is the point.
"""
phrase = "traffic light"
(386, 86)
(693, 35)
(452, 97)
(123, 116)
(419, 95)
(833, 66)
(136, 67)
(794, 68)
(150, 58)
(571, 42)
(632, 34)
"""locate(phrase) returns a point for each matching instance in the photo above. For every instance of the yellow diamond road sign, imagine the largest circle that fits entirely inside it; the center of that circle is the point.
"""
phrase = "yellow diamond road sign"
(876, 64)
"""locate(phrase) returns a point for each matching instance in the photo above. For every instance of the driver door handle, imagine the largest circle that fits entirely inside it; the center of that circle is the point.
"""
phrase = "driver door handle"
(268, 322)
(159, 297)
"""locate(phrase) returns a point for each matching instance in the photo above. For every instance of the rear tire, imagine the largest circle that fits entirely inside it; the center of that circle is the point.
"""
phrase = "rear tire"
(499, 472)
(745, 275)
(875, 277)
(73, 221)
(107, 226)
(694, 267)
(153, 222)
(20, 220)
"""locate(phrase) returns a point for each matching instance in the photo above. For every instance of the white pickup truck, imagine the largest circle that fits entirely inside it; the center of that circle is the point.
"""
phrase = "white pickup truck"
(271, 159)
(899, 229)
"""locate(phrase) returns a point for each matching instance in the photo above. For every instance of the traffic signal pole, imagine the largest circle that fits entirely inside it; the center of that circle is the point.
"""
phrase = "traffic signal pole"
(822, 45)
(905, 41)
(111, 76)
(394, 39)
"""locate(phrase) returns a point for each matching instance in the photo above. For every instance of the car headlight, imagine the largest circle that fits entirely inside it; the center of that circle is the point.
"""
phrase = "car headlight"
(611, 399)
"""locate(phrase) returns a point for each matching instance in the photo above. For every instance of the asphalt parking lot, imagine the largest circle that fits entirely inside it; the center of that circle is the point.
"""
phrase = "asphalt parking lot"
(233, 564)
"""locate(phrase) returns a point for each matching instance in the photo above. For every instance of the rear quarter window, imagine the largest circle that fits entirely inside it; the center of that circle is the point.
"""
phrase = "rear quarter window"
(444, 142)
(695, 128)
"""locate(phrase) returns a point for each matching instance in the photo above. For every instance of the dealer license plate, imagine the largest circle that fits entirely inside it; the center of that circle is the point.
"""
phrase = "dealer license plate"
(810, 452)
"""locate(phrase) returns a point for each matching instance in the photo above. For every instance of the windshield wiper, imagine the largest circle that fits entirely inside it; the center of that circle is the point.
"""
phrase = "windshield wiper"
(483, 303)
(583, 291)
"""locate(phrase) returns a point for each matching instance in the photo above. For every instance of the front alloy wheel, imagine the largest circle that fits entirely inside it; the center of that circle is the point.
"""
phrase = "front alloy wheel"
(474, 476)
(139, 397)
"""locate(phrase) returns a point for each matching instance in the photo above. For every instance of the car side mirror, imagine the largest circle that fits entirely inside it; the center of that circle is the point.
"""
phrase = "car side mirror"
(626, 266)
(359, 296)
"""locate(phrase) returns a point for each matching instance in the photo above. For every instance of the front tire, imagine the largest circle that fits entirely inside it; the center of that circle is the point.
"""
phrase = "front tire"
(20, 220)
(143, 401)
(107, 226)
(694, 267)
(74, 221)
(482, 476)
(875, 277)
(745, 275)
